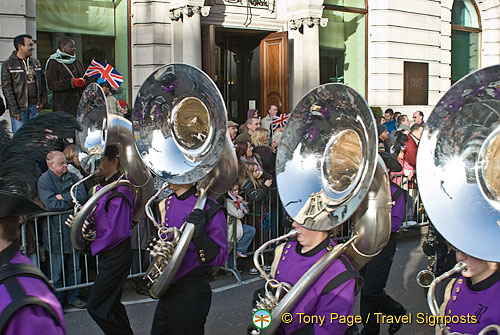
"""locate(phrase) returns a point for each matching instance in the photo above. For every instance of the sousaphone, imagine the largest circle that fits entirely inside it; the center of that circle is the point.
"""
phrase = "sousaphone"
(458, 167)
(180, 128)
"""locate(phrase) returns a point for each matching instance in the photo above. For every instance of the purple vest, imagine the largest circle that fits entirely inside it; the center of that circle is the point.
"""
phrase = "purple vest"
(483, 304)
(340, 300)
(397, 211)
(114, 225)
(174, 213)
(32, 319)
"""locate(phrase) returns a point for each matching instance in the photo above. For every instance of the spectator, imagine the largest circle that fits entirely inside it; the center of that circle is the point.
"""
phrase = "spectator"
(232, 127)
(244, 152)
(267, 121)
(403, 119)
(276, 139)
(402, 123)
(253, 113)
(54, 191)
(23, 83)
(397, 115)
(114, 106)
(65, 77)
(236, 210)
(418, 117)
(251, 124)
(383, 135)
(412, 145)
(251, 184)
(74, 166)
(390, 120)
(260, 140)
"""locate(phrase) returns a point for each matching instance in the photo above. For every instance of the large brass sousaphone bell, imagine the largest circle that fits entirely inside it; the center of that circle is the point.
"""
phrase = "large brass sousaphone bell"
(328, 171)
(101, 129)
(180, 128)
(458, 167)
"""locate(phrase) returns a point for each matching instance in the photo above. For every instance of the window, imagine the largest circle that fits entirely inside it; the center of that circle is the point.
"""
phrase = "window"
(98, 27)
(465, 38)
(343, 44)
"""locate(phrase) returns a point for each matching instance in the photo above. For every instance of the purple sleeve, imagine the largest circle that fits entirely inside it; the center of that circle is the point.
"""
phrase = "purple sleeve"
(216, 229)
(33, 320)
(339, 301)
(397, 213)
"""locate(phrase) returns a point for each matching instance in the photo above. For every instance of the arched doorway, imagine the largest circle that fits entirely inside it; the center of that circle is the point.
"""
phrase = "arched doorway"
(465, 38)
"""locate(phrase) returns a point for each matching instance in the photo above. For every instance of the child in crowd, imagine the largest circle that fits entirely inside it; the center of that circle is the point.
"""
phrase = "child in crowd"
(236, 210)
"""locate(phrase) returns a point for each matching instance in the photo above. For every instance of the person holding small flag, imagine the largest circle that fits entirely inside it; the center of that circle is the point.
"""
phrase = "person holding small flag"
(114, 106)
(65, 77)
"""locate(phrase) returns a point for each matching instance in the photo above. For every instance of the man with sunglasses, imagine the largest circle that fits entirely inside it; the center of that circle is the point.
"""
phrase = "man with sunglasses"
(418, 117)
(54, 190)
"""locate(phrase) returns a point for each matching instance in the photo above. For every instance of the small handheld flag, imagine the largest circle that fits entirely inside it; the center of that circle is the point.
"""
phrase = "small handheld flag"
(280, 121)
(106, 72)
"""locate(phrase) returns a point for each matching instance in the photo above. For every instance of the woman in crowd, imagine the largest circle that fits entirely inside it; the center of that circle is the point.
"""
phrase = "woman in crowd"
(260, 140)
(74, 166)
(244, 152)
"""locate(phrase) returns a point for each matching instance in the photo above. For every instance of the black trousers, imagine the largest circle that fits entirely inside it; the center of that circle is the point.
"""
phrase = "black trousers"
(104, 304)
(374, 299)
(183, 309)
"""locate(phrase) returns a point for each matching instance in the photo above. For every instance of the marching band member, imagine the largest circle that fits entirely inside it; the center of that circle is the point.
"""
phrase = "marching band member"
(333, 292)
(475, 293)
(374, 299)
(28, 304)
(113, 223)
(183, 309)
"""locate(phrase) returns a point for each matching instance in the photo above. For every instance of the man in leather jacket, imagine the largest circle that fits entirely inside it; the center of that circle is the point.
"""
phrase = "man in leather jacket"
(23, 83)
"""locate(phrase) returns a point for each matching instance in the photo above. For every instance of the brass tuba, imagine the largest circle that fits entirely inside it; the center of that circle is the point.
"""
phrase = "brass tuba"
(180, 128)
(328, 171)
(100, 129)
(457, 166)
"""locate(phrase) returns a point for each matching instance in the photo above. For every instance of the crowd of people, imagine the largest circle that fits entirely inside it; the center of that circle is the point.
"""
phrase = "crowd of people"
(253, 216)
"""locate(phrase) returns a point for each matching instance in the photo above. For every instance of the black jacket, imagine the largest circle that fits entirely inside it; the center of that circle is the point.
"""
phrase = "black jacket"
(65, 97)
(14, 83)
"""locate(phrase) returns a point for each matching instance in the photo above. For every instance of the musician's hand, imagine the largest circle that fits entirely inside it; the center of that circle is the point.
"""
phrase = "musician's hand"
(198, 218)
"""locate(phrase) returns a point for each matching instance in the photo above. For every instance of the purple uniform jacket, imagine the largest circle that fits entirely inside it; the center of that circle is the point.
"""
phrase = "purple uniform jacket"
(31, 319)
(114, 225)
(174, 212)
(481, 300)
(397, 211)
(340, 300)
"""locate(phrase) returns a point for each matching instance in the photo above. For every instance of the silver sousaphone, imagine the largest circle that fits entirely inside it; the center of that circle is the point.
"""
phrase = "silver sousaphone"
(100, 129)
(328, 171)
(458, 167)
(180, 128)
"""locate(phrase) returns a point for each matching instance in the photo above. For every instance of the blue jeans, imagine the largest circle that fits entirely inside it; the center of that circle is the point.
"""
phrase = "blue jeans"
(69, 274)
(246, 239)
(26, 115)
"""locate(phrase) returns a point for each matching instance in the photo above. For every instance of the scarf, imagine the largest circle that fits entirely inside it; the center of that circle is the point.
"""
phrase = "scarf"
(62, 57)
(239, 204)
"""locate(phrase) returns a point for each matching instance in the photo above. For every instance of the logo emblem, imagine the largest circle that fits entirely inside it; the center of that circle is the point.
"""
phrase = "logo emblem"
(262, 318)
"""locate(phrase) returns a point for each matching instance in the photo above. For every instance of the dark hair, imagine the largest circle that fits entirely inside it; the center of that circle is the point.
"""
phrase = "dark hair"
(10, 228)
(421, 114)
(63, 41)
(399, 143)
(20, 40)
(111, 152)
(241, 149)
(389, 110)
(415, 127)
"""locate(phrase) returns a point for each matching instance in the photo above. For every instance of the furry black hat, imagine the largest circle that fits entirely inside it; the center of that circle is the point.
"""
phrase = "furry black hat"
(19, 157)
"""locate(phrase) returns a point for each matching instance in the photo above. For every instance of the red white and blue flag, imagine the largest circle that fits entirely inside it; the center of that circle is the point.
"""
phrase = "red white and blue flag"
(280, 121)
(106, 72)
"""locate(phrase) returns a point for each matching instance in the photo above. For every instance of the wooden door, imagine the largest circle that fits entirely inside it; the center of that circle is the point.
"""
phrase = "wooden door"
(274, 72)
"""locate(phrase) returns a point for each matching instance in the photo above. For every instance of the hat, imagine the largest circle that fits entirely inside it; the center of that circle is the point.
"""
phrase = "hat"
(103, 82)
(391, 162)
(381, 128)
(403, 127)
(123, 103)
(232, 124)
(19, 170)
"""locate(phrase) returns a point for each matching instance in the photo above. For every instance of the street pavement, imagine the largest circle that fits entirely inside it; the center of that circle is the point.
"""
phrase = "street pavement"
(230, 312)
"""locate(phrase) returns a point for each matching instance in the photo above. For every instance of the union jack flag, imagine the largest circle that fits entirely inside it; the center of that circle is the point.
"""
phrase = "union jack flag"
(106, 72)
(280, 121)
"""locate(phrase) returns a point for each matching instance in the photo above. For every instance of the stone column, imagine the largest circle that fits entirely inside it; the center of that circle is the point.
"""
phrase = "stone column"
(306, 54)
(190, 18)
